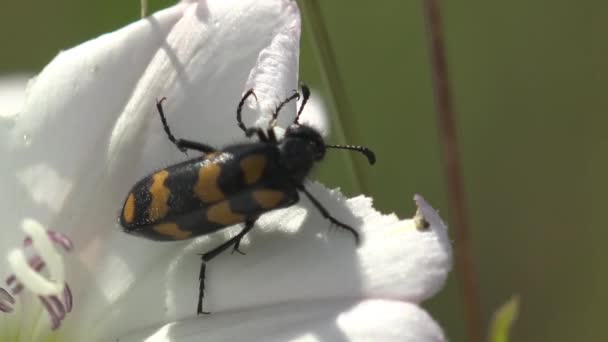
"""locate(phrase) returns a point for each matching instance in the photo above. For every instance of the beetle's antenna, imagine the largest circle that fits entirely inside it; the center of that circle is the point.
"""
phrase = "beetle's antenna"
(305, 96)
(371, 156)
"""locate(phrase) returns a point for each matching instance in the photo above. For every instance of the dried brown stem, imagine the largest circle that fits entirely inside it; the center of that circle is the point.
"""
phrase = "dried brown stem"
(465, 264)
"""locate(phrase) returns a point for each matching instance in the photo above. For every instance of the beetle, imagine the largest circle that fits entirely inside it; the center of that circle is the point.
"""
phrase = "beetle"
(228, 186)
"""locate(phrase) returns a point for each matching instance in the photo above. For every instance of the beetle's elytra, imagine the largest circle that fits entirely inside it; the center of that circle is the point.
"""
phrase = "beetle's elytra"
(224, 187)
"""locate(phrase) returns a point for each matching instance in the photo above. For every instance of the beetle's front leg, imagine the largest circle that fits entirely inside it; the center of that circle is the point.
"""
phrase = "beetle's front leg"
(182, 144)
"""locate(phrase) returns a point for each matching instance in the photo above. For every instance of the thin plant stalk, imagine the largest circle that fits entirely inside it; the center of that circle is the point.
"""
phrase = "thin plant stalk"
(143, 8)
(465, 264)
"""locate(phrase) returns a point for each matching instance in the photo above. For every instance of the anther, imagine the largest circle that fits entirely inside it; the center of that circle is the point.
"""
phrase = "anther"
(6, 301)
(30, 277)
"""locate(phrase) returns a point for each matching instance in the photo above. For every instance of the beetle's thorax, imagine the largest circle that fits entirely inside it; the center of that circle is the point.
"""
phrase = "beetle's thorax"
(300, 148)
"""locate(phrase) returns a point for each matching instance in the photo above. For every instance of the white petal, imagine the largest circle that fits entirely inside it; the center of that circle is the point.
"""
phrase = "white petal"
(93, 130)
(396, 260)
(12, 94)
(90, 117)
(294, 257)
(335, 320)
(65, 122)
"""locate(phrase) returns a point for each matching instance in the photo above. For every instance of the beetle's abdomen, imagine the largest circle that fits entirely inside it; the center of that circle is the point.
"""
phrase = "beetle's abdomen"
(156, 204)
(203, 195)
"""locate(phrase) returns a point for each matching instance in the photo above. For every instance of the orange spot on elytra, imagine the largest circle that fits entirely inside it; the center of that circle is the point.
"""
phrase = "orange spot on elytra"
(173, 230)
(206, 187)
(160, 195)
(268, 199)
(253, 167)
(222, 214)
(128, 211)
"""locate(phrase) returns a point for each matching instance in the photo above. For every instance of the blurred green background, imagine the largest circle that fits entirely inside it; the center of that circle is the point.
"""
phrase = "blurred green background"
(529, 80)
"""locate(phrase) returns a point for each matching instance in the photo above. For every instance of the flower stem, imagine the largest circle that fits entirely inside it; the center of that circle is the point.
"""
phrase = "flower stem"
(465, 264)
(143, 8)
(343, 122)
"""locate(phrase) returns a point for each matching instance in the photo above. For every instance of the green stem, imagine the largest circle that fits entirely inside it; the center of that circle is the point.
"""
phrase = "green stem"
(344, 128)
(143, 7)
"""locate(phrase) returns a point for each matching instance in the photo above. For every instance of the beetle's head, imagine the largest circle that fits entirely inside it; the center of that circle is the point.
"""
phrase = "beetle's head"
(303, 145)
(308, 139)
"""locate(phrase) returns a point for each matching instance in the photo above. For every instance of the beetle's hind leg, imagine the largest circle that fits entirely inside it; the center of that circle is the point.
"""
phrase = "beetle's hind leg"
(182, 144)
(206, 257)
(328, 216)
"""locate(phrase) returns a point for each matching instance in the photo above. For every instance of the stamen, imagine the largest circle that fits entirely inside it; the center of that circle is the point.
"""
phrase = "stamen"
(56, 308)
(35, 263)
(30, 277)
(54, 318)
(67, 298)
(10, 279)
(56, 237)
(43, 244)
(60, 310)
(54, 294)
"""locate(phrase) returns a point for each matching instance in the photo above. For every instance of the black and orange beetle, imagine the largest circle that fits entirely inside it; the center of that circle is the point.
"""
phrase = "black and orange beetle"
(235, 184)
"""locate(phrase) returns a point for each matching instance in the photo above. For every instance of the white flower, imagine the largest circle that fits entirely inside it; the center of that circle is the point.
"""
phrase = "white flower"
(88, 131)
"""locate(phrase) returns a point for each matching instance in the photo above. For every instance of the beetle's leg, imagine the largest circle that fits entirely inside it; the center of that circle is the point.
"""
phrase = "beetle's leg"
(275, 115)
(257, 131)
(261, 135)
(271, 136)
(248, 226)
(201, 289)
(239, 109)
(234, 241)
(182, 144)
(305, 96)
(327, 215)
(251, 130)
